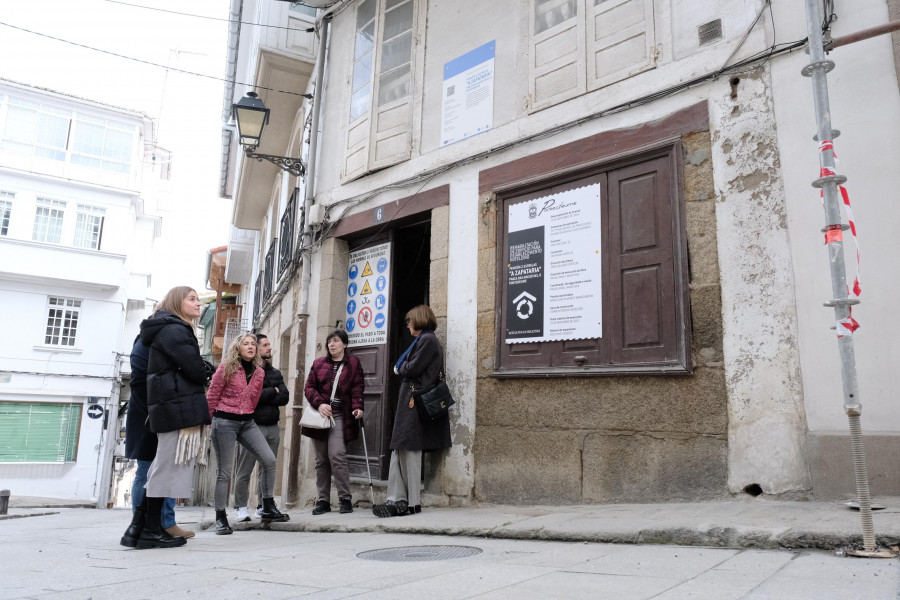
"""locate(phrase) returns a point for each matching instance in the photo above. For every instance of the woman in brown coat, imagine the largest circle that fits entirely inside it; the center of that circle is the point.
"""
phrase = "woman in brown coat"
(421, 367)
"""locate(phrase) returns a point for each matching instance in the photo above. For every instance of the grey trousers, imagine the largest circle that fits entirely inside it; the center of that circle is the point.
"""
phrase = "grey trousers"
(245, 463)
(224, 433)
(405, 476)
(331, 459)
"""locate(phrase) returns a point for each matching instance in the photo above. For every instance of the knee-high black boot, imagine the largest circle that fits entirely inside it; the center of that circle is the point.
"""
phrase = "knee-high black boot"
(130, 539)
(271, 513)
(153, 535)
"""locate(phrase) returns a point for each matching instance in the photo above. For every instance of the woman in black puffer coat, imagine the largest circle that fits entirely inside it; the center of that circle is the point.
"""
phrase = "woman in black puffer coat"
(178, 412)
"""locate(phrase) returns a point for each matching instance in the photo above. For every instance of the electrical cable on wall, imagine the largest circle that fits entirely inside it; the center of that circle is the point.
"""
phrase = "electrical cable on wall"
(751, 62)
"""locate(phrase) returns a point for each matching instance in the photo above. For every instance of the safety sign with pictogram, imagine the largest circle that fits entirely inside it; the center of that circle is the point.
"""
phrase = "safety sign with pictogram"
(368, 289)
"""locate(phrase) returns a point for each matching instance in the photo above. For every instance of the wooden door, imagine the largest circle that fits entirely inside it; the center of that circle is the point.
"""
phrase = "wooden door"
(410, 276)
(379, 415)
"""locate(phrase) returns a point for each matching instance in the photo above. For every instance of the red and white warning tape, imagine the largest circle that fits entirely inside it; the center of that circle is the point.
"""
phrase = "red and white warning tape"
(834, 233)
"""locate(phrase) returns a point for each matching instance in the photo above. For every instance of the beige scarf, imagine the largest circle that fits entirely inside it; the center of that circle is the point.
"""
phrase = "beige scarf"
(193, 442)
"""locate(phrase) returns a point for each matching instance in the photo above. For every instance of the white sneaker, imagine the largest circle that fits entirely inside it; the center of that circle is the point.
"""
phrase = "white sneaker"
(242, 516)
(258, 513)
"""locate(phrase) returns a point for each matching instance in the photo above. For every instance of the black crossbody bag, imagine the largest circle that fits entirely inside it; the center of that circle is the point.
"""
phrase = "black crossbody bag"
(435, 403)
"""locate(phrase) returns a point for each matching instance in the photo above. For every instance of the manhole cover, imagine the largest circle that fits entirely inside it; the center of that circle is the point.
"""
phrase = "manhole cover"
(418, 553)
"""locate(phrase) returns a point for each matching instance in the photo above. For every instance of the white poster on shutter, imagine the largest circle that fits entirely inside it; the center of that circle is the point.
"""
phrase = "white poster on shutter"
(553, 273)
(368, 285)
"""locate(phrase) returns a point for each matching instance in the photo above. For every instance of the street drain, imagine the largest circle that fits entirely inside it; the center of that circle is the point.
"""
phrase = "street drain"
(419, 553)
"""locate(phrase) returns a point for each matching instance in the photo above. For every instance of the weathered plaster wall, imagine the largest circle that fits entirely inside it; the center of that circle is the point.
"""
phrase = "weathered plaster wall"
(767, 420)
(618, 439)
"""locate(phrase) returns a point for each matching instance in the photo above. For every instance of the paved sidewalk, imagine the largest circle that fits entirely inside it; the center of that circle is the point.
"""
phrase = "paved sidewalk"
(739, 523)
(76, 554)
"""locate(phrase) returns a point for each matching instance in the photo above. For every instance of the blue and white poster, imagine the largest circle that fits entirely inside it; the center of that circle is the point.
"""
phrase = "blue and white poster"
(553, 271)
(468, 95)
(367, 292)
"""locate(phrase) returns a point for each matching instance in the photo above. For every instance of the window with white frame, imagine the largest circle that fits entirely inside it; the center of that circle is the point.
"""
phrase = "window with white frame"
(45, 432)
(6, 199)
(60, 134)
(48, 220)
(579, 46)
(380, 108)
(303, 9)
(89, 226)
(62, 321)
(102, 144)
(37, 129)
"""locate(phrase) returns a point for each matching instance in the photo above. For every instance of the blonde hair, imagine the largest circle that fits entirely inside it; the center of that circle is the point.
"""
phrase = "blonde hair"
(231, 362)
(173, 300)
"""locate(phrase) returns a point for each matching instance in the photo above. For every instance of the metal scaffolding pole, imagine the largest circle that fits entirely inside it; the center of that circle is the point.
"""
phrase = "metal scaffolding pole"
(817, 69)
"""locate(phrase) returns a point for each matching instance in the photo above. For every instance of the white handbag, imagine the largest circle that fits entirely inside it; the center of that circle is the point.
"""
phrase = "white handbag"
(311, 418)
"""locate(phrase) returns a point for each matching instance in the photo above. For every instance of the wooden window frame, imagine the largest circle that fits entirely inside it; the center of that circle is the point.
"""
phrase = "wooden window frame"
(385, 133)
(564, 56)
(607, 360)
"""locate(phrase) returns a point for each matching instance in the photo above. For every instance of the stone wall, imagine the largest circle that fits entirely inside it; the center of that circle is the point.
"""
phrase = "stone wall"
(610, 439)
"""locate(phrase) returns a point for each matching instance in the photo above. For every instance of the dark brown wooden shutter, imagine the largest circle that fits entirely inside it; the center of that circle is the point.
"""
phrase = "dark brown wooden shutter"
(642, 317)
(646, 323)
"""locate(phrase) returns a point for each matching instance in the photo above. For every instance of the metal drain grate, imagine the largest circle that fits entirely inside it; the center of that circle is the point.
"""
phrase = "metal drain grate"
(419, 553)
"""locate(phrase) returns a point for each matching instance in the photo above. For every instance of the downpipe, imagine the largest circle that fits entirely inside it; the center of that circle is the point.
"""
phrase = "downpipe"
(293, 494)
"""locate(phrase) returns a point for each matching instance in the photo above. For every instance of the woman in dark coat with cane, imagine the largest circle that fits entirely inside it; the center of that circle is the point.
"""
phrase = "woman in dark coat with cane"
(421, 367)
(346, 407)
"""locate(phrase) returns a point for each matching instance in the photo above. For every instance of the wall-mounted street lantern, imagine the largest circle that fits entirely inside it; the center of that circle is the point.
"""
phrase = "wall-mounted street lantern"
(251, 116)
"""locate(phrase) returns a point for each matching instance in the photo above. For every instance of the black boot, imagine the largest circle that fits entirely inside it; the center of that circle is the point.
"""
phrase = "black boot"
(130, 539)
(321, 507)
(153, 535)
(222, 526)
(270, 513)
(388, 509)
(346, 505)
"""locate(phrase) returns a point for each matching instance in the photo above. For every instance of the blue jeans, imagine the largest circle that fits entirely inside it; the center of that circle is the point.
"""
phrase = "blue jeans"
(167, 517)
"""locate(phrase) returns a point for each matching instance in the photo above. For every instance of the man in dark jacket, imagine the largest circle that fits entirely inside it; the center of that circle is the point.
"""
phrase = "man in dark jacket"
(268, 412)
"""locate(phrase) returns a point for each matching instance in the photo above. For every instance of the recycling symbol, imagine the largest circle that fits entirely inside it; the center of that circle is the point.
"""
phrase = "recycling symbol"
(524, 300)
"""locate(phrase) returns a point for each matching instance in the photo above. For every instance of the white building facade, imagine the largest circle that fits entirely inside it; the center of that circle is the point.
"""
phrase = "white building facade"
(75, 178)
(708, 368)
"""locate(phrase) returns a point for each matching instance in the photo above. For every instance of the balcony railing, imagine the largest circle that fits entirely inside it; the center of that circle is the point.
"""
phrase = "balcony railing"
(257, 295)
(224, 313)
(288, 220)
(268, 274)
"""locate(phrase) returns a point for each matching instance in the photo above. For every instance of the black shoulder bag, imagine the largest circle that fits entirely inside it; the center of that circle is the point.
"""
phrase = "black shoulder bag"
(435, 403)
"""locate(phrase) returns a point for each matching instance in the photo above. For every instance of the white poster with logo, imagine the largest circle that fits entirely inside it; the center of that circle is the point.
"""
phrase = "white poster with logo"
(368, 286)
(554, 269)
(468, 95)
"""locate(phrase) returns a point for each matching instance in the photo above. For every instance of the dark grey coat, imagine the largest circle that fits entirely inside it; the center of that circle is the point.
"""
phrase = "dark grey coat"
(422, 368)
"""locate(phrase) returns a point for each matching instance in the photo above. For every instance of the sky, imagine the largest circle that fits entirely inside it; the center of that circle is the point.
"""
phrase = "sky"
(187, 108)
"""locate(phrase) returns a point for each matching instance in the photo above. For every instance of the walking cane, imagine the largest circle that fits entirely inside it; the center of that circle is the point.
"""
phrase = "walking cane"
(362, 425)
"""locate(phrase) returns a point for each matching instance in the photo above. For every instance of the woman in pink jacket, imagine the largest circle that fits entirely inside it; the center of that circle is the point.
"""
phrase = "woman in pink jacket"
(233, 393)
